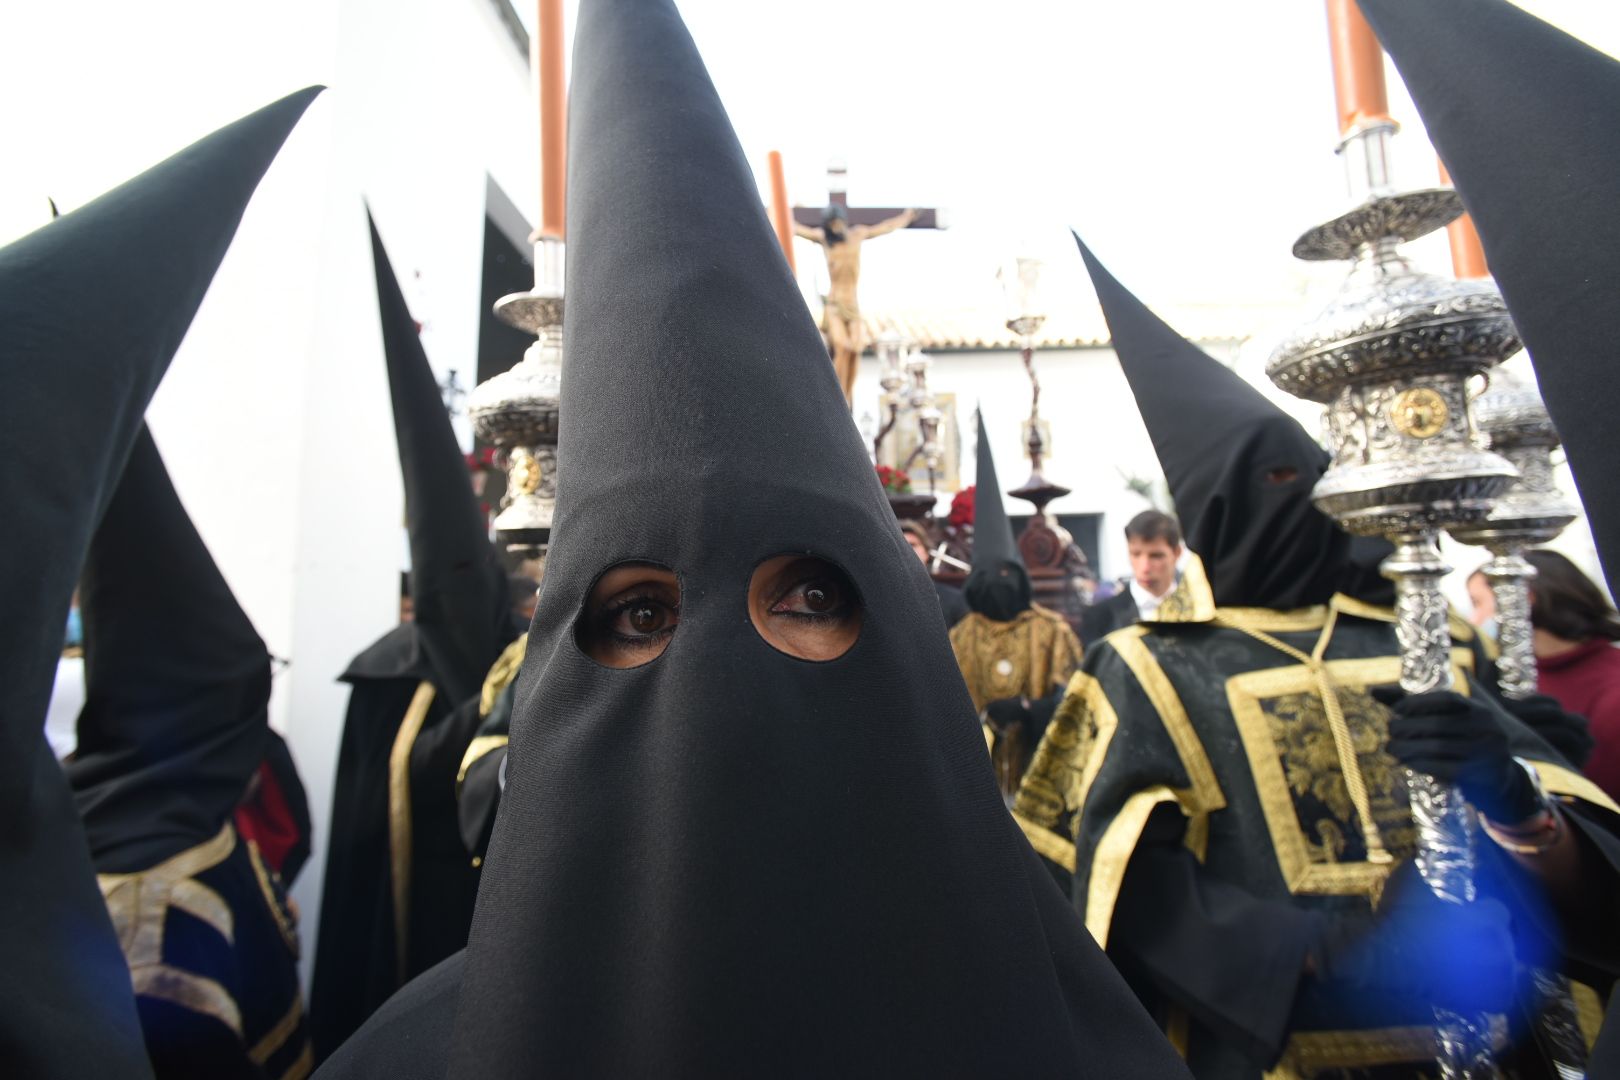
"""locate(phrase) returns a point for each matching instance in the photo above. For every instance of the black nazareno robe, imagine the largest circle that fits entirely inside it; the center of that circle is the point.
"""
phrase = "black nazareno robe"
(395, 843)
(400, 885)
(1189, 794)
(173, 731)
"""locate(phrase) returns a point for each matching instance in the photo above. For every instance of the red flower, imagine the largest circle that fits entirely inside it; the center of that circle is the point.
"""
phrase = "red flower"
(481, 459)
(962, 507)
(894, 481)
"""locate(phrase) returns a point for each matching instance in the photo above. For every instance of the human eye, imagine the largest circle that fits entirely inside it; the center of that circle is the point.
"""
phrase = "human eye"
(639, 621)
(814, 598)
(630, 615)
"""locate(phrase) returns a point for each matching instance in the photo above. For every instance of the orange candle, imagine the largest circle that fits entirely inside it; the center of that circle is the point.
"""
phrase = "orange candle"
(1358, 67)
(781, 216)
(549, 71)
(1467, 253)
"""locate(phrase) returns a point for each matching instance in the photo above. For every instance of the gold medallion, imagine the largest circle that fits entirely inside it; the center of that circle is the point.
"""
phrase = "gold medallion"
(1419, 413)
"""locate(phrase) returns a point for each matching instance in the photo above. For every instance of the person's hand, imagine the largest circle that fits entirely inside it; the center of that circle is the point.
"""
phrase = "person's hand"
(1565, 731)
(1460, 741)
(1456, 956)
(1008, 713)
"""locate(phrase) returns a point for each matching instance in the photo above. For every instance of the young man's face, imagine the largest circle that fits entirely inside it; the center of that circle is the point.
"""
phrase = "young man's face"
(1153, 563)
(918, 548)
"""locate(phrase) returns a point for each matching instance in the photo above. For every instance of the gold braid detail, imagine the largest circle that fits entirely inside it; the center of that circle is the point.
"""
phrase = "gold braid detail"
(1349, 766)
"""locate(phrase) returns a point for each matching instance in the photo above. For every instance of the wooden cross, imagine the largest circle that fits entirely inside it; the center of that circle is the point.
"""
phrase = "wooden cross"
(838, 194)
(840, 230)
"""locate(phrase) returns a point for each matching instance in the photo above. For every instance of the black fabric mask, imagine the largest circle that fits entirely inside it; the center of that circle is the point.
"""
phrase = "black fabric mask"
(177, 683)
(1240, 469)
(998, 586)
(82, 371)
(1527, 120)
(1001, 592)
(731, 861)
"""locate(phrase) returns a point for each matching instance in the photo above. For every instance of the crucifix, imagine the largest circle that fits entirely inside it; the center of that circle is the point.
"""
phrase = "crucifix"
(840, 230)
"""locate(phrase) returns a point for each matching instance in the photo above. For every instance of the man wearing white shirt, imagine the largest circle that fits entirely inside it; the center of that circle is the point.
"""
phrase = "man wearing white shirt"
(1153, 541)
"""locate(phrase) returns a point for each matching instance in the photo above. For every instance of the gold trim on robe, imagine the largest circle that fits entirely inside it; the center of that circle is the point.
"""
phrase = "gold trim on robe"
(501, 674)
(399, 818)
(480, 746)
(139, 905)
(1205, 796)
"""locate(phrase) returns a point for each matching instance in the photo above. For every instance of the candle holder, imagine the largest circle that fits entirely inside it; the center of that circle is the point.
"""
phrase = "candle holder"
(1532, 511)
(517, 410)
(891, 351)
(1020, 284)
(1390, 357)
(920, 399)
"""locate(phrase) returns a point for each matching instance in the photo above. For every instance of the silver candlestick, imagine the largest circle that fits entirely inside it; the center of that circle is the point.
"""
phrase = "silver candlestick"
(1390, 357)
(1531, 512)
(517, 410)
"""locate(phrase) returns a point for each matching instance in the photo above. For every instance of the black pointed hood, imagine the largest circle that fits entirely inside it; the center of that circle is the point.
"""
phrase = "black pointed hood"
(729, 860)
(458, 588)
(1527, 120)
(998, 587)
(177, 681)
(1240, 469)
(92, 308)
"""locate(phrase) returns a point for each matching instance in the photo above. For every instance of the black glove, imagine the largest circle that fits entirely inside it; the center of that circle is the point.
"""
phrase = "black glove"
(1008, 713)
(1460, 741)
(1419, 947)
(1565, 731)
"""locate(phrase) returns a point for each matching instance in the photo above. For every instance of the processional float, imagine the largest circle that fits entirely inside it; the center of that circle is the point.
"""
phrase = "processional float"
(1391, 358)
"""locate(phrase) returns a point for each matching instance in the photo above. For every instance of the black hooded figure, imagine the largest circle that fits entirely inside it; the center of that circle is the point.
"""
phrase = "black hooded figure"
(998, 586)
(399, 887)
(730, 859)
(175, 725)
(1224, 791)
(1015, 655)
(81, 378)
(1240, 470)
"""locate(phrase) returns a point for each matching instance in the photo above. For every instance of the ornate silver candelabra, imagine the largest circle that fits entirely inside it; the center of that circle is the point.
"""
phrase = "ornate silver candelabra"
(517, 410)
(1021, 289)
(891, 349)
(1390, 357)
(920, 398)
(1533, 511)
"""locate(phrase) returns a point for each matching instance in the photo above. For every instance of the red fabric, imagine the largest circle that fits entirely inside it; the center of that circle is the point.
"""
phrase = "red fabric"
(1586, 680)
(265, 818)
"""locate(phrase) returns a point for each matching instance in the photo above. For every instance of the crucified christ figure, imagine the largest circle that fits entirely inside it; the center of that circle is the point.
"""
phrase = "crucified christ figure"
(842, 316)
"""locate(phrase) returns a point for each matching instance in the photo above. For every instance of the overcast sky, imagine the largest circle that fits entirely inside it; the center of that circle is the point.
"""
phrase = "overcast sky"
(1189, 141)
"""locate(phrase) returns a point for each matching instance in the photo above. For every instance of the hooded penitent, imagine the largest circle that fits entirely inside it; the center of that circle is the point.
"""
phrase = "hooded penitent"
(730, 861)
(177, 682)
(1527, 120)
(92, 308)
(458, 588)
(1240, 469)
(399, 885)
(998, 586)
(175, 725)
